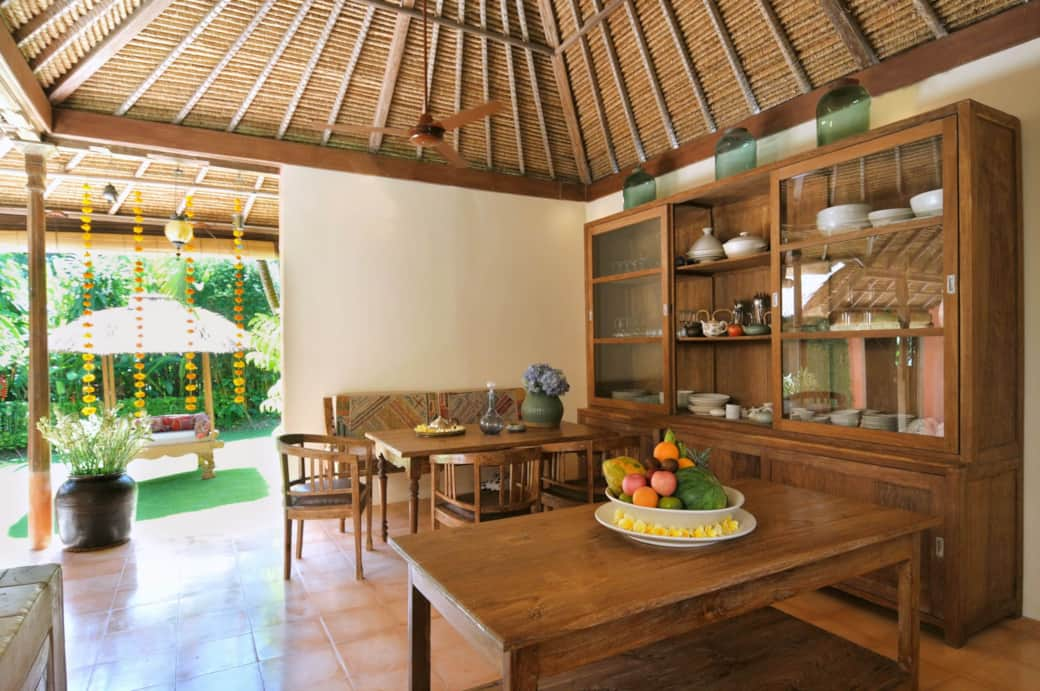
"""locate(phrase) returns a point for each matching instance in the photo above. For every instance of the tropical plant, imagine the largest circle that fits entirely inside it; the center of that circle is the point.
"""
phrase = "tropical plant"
(102, 444)
(265, 331)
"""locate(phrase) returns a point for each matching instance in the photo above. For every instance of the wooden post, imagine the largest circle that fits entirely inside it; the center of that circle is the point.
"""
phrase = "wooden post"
(207, 391)
(40, 515)
(108, 381)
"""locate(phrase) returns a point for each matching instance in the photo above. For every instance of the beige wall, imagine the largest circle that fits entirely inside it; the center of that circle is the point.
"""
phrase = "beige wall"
(395, 285)
(1010, 81)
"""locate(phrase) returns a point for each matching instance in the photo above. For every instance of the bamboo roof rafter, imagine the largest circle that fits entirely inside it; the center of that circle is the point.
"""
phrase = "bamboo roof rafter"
(511, 71)
(732, 57)
(486, 83)
(651, 73)
(393, 68)
(931, 18)
(691, 73)
(619, 82)
(72, 36)
(849, 31)
(532, 73)
(784, 43)
(563, 86)
(348, 72)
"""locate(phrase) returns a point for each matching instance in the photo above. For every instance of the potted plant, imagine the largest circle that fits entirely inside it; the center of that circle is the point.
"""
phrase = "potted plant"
(542, 406)
(95, 506)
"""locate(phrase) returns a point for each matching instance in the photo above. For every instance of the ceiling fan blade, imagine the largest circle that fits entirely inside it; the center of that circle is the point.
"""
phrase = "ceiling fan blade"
(358, 129)
(453, 122)
(448, 152)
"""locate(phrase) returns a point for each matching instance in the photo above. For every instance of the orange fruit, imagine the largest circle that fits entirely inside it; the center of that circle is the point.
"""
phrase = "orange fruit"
(686, 463)
(645, 496)
(666, 450)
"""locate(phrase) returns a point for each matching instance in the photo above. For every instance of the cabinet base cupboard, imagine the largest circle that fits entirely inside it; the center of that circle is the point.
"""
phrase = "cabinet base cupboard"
(890, 348)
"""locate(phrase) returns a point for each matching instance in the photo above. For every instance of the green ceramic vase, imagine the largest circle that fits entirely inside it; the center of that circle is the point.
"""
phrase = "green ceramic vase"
(539, 410)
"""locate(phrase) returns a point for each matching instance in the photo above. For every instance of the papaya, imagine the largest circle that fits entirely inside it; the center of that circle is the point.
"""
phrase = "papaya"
(615, 470)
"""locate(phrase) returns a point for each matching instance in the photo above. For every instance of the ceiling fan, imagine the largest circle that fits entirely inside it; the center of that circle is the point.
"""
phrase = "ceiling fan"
(429, 131)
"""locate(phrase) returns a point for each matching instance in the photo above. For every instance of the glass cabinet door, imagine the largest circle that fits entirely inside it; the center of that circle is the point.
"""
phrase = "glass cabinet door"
(867, 295)
(628, 310)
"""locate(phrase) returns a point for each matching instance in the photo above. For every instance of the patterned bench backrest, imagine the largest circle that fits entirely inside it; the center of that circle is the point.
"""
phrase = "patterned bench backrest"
(354, 414)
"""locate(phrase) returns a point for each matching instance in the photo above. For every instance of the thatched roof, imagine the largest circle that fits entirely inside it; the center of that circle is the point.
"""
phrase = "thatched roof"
(637, 78)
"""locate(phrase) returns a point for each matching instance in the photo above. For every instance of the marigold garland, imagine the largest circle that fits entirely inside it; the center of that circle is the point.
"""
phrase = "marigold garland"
(139, 375)
(191, 376)
(89, 397)
(240, 353)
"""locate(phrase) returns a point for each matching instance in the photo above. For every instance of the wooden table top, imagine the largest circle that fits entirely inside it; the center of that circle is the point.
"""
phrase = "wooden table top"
(406, 444)
(524, 580)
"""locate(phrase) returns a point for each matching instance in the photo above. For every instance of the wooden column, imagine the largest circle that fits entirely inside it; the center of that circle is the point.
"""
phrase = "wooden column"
(40, 515)
(207, 392)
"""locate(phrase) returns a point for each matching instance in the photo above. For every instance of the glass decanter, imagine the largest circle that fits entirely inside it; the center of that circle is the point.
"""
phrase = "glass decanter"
(491, 422)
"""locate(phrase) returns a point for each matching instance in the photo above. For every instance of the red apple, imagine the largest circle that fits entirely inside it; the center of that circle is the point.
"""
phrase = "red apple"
(632, 482)
(664, 483)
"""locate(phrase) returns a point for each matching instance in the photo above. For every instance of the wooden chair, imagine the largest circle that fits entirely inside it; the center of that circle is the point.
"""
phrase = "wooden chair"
(333, 479)
(456, 503)
(561, 486)
(819, 401)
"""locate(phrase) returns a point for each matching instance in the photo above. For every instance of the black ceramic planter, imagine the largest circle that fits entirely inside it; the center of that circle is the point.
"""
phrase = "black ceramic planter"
(96, 511)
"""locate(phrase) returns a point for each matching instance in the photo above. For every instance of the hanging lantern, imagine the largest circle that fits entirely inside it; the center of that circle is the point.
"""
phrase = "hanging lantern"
(179, 229)
(110, 193)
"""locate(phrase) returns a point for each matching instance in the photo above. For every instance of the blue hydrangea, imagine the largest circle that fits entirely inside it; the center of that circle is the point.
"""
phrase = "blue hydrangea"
(542, 378)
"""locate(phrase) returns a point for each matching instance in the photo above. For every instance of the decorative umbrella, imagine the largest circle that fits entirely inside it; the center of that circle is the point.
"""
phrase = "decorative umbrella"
(165, 320)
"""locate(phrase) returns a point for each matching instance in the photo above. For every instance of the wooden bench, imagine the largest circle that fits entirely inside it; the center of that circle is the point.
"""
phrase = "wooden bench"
(32, 629)
(174, 444)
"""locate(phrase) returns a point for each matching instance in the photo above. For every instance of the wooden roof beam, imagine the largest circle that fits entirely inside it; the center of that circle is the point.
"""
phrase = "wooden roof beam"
(72, 35)
(251, 200)
(128, 188)
(485, 79)
(651, 74)
(691, 72)
(407, 9)
(101, 178)
(393, 68)
(535, 90)
(348, 72)
(848, 30)
(312, 63)
(511, 71)
(931, 17)
(431, 62)
(106, 49)
(24, 89)
(619, 82)
(178, 140)
(597, 94)
(593, 21)
(228, 56)
(172, 57)
(731, 54)
(563, 87)
(259, 82)
(784, 43)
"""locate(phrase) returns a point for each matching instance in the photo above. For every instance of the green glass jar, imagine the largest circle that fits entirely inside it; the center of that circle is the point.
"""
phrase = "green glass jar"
(640, 188)
(736, 152)
(842, 112)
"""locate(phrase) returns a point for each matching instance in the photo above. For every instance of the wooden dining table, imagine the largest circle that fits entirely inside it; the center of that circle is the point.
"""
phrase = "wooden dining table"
(404, 448)
(543, 594)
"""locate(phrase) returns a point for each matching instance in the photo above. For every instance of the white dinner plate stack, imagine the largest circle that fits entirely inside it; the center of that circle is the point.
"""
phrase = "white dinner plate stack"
(704, 403)
(888, 422)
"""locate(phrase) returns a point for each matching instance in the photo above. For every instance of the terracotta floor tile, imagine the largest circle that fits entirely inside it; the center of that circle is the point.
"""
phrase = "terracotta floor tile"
(463, 667)
(106, 583)
(81, 652)
(303, 670)
(203, 657)
(142, 616)
(125, 645)
(211, 625)
(139, 672)
(245, 678)
(86, 625)
(359, 623)
(78, 678)
(89, 603)
(960, 684)
(377, 653)
(273, 590)
(391, 680)
(1007, 674)
(89, 568)
(211, 601)
(337, 600)
(146, 594)
(281, 639)
(277, 612)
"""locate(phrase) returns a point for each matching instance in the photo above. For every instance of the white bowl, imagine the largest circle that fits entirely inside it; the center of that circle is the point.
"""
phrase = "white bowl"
(884, 217)
(843, 218)
(745, 245)
(683, 518)
(927, 203)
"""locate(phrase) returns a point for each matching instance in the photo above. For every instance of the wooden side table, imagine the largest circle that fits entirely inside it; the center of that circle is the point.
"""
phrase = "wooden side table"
(32, 629)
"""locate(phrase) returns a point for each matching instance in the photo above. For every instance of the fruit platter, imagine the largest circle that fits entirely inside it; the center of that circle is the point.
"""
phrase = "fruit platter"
(672, 499)
(440, 427)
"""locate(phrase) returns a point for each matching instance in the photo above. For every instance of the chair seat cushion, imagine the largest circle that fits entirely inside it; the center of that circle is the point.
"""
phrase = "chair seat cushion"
(574, 494)
(489, 508)
(301, 494)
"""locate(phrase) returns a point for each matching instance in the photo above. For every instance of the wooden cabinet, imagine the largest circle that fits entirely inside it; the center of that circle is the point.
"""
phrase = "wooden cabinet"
(894, 363)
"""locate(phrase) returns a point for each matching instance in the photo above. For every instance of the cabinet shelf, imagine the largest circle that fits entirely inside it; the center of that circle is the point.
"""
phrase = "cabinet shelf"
(642, 273)
(708, 268)
(913, 224)
(722, 339)
(628, 339)
(861, 333)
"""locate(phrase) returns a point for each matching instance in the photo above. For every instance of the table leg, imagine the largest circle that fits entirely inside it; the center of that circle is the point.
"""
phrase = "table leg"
(419, 639)
(382, 494)
(909, 618)
(520, 670)
(414, 473)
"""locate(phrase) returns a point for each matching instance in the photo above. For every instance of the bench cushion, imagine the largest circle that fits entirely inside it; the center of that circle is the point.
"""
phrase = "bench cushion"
(468, 406)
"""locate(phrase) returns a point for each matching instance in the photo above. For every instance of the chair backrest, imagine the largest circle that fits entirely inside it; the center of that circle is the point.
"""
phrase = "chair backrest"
(321, 460)
(556, 472)
(519, 485)
(627, 445)
(824, 400)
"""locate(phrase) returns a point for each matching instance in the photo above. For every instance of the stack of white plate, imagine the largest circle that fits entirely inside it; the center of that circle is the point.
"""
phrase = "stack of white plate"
(627, 394)
(704, 403)
(884, 217)
(845, 418)
(882, 421)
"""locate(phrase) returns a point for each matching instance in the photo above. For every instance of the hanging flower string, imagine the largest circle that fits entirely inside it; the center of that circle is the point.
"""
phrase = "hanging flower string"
(139, 375)
(191, 376)
(89, 397)
(240, 353)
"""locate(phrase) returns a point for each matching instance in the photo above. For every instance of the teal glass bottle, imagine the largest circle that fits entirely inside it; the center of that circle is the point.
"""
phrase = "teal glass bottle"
(640, 188)
(736, 152)
(842, 112)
